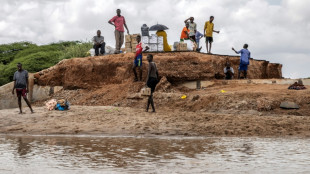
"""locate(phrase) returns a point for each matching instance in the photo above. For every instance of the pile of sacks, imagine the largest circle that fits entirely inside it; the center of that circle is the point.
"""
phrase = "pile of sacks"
(60, 105)
(297, 86)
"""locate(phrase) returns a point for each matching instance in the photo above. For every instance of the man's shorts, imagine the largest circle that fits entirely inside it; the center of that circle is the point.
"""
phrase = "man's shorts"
(138, 61)
(243, 67)
(209, 39)
(21, 92)
(193, 38)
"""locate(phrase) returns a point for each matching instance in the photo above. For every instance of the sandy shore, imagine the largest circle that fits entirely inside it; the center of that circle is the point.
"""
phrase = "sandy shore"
(101, 120)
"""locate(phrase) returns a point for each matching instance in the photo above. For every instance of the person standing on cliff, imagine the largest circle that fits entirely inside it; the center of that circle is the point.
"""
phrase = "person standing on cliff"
(137, 63)
(21, 85)
(198, 36)
(244, 60)
(208, 33)
(151, 81)
(119, 22)
(99, 43)
(192, 28)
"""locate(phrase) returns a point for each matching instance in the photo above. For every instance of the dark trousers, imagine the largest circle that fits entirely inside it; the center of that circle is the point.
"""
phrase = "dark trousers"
(102, 46)
(193, 38)
(229, 75)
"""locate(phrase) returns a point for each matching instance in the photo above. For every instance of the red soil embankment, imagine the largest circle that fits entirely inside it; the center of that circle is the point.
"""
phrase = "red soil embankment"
(176, 67)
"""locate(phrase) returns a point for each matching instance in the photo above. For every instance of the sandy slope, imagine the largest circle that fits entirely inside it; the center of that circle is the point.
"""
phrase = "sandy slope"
(118, 120)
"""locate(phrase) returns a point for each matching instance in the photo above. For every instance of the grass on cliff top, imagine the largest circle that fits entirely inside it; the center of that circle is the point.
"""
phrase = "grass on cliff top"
(36, 58)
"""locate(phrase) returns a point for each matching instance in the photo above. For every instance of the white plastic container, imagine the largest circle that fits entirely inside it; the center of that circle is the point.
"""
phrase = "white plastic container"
(160, 47)
(160, 40)
(153, 38)
(146, 91)
(92, 52)
(145, 39)
(153, 47)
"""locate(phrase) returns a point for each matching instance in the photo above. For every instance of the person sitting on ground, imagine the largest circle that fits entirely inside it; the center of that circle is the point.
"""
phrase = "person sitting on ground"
(138, 58)
(185, 33)
(164, 35)
(244, 60)
(198, 36)
(99, 43)
(228, 71)
(192, 27)
(21, 85)
(151, 81)
(208, 33)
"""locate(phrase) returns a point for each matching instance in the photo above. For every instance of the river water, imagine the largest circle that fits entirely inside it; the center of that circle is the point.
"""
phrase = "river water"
(69, 155)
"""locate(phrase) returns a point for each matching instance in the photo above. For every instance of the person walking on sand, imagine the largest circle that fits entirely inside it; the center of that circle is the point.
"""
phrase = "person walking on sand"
(244, 60)
(185, 33)
(208, 33)
(137, 63)
(151, 81)
(99, 43)
(21, 85)
(192, 28)
(119, 22)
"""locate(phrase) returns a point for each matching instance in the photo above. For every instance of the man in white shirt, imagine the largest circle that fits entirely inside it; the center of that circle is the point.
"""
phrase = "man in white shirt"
(192, 28)
(99, 43)
(228, 71)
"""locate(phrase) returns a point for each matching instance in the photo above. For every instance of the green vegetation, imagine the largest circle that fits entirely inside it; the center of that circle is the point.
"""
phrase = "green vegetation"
(36, 58)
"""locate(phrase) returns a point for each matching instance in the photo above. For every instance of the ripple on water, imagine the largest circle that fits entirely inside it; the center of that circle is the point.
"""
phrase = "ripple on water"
(153, 155)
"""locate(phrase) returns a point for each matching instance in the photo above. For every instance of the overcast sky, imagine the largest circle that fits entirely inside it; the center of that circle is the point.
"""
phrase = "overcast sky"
(276, 30)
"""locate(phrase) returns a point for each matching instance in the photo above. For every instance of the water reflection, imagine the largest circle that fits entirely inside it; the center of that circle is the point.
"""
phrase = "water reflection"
(23, 146)
(152, 155)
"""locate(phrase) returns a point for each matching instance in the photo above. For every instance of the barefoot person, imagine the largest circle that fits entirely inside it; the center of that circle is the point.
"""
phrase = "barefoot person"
(244, 60)
(21, 85)
(208, 33)
(119, 22)
(151, 81)
(99, 43)
(198, 36)
(192, 28)
(137, 63)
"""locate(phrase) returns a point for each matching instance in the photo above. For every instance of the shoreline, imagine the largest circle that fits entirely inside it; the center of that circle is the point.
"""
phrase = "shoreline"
(110, 121)
(150, 136)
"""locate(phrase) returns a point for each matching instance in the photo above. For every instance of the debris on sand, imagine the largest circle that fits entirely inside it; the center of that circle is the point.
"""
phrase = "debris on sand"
(289, 105)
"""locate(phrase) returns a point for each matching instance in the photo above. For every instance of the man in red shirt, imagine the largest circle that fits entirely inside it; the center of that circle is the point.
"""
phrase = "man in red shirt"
(119, 22)
(137, 63)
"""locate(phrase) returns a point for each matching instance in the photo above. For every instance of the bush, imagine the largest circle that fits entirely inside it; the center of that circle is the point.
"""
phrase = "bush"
(77, 50)
(8, 51)
(36, 58)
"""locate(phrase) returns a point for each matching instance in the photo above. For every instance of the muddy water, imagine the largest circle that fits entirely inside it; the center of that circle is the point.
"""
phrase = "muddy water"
(153, 155)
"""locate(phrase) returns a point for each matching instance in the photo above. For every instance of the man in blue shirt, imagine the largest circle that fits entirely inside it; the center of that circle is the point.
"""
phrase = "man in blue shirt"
(198, 36)
(244, 60)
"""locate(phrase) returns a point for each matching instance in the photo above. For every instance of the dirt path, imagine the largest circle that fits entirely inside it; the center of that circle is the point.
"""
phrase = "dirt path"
(129, 121)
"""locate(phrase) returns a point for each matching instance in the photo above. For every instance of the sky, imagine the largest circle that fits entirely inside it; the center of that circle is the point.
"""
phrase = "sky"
(276, 30)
